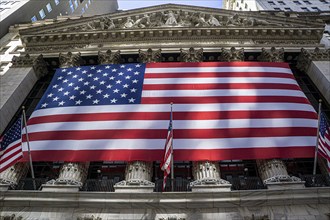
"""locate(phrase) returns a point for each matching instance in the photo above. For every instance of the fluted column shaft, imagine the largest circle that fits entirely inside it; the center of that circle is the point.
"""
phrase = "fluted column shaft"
(138, 172)
(73, 174)
(205, 172)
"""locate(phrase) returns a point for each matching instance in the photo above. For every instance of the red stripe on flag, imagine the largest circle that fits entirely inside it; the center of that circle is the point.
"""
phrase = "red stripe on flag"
(207, 115)
(151, 75)
(179, 133)
(216, 64)
(223, 99)
(183, 155)
(219, 86)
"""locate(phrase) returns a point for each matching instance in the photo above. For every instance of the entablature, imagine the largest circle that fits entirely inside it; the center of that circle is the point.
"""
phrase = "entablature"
(171, 25)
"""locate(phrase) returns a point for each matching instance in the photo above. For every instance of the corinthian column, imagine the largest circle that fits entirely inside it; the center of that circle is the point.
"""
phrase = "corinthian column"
(72, 175)
(274, 175)
(207, 177)
(11, 176)
(273, 172)
(137, 178)
(138, 173)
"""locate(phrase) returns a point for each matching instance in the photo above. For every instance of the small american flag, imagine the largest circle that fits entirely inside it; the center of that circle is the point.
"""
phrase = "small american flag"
(324, 139)
(168, 152)
(10, 146)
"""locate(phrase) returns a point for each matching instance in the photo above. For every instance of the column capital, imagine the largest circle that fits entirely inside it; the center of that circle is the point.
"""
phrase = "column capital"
(191, 55)
(307, 56)
(272, 55)
(232, 54)
(38, 63)
(109, 57)
(70, 60)
(150, 56)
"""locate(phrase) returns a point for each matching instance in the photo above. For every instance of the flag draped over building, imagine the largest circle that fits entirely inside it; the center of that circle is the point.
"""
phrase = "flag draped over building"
(168, 153)
(324, 139)
(238, 110)
(10, 146)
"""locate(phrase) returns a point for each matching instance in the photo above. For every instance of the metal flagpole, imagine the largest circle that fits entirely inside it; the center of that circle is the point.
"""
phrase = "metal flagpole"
(172, 162)
(317, 137)
(28, 144)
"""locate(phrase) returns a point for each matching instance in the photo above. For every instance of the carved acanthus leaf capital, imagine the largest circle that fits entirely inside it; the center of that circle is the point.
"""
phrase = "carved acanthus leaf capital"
(22, 61)
(150, 56)
(307, 56)
(191, 55)
(272, 55)
(232, 54)
(40, 66)
(69, 60)
(109, 57)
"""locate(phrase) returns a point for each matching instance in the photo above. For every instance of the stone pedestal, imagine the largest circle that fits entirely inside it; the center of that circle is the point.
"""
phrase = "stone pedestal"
(137, 178)
(274, 175)
(207, 178)
(11, 176)
(71, 178)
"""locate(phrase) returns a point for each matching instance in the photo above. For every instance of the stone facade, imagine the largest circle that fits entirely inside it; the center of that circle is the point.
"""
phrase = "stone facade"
(156, 34)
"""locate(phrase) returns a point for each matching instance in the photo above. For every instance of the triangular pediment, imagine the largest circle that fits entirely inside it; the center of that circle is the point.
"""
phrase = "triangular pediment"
(171, 26)
(170, 16)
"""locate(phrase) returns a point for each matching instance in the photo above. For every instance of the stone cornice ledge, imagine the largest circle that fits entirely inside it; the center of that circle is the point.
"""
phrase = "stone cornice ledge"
(165, 200)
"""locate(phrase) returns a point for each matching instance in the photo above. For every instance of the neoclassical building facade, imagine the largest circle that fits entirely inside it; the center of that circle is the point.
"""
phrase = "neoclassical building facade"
(261, 189)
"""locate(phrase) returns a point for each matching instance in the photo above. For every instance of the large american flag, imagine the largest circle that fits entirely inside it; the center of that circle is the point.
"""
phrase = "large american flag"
(10, 146)
(222, 111)
(324, 139)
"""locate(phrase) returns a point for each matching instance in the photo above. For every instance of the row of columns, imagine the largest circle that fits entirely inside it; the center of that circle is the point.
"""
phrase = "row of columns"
(138, 173)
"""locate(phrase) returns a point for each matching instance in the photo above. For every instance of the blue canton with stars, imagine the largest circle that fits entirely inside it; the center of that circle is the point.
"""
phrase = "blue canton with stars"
(95, 85)
(323, 125)
(12, 135)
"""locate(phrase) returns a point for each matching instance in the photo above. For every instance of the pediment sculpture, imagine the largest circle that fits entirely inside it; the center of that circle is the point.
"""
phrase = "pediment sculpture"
(170, 18)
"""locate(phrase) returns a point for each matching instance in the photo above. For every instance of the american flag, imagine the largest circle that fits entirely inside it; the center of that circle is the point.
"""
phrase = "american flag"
(10, 146)
(324, 139)
(223, 111)
(168, 150)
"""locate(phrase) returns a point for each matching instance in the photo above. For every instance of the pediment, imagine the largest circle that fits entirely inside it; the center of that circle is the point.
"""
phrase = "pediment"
(171, 26)
(170, 16)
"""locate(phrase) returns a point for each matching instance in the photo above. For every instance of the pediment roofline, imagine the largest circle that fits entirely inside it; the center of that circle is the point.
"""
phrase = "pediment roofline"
(222, 16)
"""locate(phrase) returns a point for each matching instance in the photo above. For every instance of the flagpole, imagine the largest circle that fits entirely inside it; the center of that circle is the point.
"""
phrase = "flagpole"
(317, 137)
(172, 162)
(28, 144)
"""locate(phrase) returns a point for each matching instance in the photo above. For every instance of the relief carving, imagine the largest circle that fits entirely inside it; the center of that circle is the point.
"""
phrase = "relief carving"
(170, 18)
